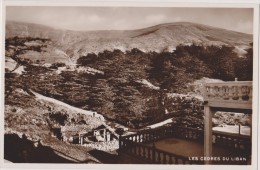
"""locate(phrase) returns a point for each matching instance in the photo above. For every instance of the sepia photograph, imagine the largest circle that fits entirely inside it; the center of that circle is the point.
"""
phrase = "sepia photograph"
(129, 85)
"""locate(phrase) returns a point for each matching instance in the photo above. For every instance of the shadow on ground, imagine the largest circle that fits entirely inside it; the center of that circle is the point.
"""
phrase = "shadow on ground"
(104, 157)
(22, 150)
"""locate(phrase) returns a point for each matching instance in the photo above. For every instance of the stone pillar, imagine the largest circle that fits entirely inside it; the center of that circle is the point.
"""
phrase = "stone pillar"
(208, 132)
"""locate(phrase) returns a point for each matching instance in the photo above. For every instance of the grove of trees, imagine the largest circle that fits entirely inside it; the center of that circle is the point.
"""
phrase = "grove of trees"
(117, 94)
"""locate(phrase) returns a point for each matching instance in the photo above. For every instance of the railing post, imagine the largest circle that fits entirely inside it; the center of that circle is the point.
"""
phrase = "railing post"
(170, 159)
(208, 132)
(139, 150)
(159, 157)
(149, 153)
(144, 152)
(164, 158)
(153, 154)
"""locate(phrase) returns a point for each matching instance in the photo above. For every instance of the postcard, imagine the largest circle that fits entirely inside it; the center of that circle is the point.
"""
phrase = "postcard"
(129, 85)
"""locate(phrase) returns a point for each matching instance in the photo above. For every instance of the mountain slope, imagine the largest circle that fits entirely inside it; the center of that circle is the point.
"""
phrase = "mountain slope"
(163, 37)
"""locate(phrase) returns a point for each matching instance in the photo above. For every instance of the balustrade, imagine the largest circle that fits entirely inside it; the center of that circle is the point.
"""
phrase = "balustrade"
(232, 141)
(133, 144)
(234, 94)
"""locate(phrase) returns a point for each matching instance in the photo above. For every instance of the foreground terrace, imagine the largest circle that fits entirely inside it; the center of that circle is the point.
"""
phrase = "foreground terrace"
(181, 145)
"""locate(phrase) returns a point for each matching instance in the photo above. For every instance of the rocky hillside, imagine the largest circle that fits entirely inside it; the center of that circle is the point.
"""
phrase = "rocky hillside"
(137, 68)
(163, 37)
(28, 122)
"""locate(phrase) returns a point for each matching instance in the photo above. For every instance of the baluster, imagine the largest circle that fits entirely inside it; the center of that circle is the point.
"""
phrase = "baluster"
(236, 143)
(239, 144)
(213, 93)
(126, 149)
(159, 157)
(240, 93)
(216, 95)
(210, 92)
(144, 152)
(230, 142)
(227, 142)
(221, 92)
(213, 138)
(149, 153)
(223, 142)
(176, 161)
(235, 93)
(246, 93)
(180, 160)
(123, 143)
(250, 93)
(129, 149)
(164, 158)
(230, 95)
(194, 134)
(218, 140)
(153, 153)
(170, 159)
(225, 90)
(139, 150)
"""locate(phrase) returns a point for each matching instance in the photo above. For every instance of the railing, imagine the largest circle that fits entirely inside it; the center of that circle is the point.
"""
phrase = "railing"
(188, 133)
(237, 142)
(237, 92)
(134, 144)
(150, 154)
(146, 136)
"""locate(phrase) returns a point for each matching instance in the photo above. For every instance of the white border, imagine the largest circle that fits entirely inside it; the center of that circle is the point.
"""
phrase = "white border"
(143, 3)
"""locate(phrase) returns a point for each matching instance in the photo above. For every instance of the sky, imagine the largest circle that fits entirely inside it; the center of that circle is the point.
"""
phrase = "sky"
(129, 18)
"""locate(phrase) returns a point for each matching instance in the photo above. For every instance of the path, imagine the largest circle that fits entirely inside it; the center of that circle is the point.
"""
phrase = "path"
(78, 110)
(160, 123)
